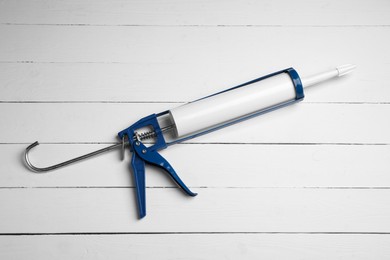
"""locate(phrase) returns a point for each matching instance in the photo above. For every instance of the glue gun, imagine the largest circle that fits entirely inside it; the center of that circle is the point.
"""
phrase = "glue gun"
(158, 131)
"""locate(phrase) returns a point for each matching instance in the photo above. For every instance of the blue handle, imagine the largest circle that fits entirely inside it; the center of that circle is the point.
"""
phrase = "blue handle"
(154, 158)
(142, 154)
(138, 166)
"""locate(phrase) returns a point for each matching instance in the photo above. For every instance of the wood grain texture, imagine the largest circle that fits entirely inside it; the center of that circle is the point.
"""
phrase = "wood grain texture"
(215, 12)
(209, 165)
(100, 210)
(197, 246)
(66, 63)
(300, 123)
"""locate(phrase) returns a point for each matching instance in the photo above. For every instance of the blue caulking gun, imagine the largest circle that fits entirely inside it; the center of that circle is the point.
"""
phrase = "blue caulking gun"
(158, 131)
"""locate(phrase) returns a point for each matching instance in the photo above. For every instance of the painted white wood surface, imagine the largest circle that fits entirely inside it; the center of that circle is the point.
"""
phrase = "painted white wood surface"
(212, 12)
(138, 82)
(300, 123)
(217, 246)
(310, 181)
(101, 210)
(78, 63)
(243, 165)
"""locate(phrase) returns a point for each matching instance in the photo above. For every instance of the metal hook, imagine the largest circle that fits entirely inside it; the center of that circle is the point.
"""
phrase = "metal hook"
(121, 145)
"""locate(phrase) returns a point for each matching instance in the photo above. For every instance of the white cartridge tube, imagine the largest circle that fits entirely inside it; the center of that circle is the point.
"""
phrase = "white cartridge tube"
(231, 105)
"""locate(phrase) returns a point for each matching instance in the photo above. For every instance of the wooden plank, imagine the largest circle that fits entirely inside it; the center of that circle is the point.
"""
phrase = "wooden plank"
(301, 123)
(300, 12)
(198, 246)
(98, 210)
(110, 82)
(127, 65)
(230, 166)
(191, 45)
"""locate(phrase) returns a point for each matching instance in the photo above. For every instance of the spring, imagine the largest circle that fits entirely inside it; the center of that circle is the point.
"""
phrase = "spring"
(147, 135)
(151, 134)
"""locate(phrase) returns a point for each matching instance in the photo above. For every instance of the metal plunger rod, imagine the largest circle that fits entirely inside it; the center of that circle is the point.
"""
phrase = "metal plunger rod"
(121, 145)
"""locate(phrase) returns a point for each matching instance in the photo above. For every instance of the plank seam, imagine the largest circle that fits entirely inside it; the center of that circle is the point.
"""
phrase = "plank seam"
(197, 25)
(206, 143)
(193, 233)
(204, 187)
(166, 102)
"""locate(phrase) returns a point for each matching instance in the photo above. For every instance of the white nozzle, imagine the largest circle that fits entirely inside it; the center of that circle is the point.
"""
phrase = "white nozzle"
(323, 76)
(345, 69)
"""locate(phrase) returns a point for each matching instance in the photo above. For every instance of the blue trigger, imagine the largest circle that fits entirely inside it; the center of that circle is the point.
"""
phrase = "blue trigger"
(138, 166)
(154, 158)
(142, 154)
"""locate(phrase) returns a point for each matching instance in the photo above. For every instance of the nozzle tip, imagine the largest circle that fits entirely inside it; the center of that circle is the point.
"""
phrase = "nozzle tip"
(345, 69)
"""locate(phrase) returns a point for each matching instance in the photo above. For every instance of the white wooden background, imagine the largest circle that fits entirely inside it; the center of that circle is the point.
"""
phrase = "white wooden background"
(308, 182)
